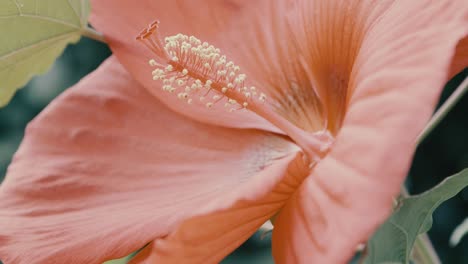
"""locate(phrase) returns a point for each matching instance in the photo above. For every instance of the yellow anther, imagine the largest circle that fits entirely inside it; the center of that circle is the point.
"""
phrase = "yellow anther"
(193, 68)
(152, 63)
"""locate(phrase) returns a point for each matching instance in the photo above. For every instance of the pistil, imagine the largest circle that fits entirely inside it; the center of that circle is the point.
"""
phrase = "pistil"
(191, 68)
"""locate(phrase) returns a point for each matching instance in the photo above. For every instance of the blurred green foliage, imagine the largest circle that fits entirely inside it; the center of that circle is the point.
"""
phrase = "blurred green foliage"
(443, 153)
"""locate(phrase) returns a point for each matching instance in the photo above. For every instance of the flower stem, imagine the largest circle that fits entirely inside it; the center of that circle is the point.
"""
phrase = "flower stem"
(423, 251)
(93, 34)
(444, 110)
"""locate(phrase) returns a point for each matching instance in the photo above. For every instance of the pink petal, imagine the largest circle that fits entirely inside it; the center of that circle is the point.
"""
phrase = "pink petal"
(214, 233)
(122, 20)
(397, 77)
(107, 168)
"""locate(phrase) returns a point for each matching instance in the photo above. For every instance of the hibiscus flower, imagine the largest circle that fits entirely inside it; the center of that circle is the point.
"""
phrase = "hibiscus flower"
(117, 163)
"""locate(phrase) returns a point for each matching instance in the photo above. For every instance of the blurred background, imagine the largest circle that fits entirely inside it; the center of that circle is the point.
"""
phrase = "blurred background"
(442, 154)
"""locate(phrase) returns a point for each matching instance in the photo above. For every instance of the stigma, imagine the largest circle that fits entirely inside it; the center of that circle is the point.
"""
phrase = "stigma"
(195, 70)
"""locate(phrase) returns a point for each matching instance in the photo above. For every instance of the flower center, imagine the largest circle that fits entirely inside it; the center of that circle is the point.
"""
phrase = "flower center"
(192, 70)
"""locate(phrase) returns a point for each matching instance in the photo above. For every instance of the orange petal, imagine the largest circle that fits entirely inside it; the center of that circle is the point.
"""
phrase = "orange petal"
(122, 20)
(107, 168)
(303, 61)
(399, 72)
(214, 233)
(460, 60)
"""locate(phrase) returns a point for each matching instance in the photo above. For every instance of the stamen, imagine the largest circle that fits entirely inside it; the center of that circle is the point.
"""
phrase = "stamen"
(191, 68)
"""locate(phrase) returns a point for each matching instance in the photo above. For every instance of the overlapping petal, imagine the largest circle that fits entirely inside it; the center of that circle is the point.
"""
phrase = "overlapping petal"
(399, 72)
(122, 20)
(107, 168)
(213, 234)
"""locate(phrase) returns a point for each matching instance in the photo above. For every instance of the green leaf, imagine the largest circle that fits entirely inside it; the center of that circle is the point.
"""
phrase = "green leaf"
(34, 34)
(394, 240)
(126, 259)
(388, 236)
(123, 260)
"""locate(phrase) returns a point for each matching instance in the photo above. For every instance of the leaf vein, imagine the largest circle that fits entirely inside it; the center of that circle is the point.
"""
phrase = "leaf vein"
(46, 18)
(37, 44)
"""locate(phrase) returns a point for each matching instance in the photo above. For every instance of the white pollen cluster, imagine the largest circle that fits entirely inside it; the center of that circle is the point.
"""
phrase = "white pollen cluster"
(191, 68)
